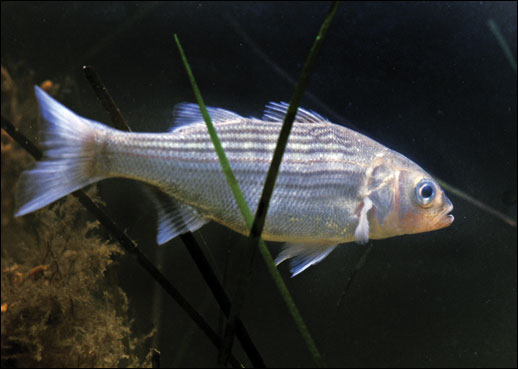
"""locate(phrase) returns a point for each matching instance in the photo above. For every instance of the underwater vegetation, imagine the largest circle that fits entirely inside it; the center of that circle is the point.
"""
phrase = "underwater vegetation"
(61, 306)
(39, 270)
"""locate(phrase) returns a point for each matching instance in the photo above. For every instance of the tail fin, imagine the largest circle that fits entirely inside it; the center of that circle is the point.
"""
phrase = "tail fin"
(71, 144)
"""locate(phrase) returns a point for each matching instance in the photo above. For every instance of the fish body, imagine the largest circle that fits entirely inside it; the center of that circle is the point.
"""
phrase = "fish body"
(334, 185)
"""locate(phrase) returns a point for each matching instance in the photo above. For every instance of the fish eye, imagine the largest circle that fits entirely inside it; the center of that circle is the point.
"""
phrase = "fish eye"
(425, 192)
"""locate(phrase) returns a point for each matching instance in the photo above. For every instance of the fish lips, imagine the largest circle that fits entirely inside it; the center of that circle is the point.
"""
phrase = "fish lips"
(445, 219)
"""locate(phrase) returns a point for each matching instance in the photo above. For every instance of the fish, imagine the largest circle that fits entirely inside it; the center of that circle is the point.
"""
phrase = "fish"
(334, 185)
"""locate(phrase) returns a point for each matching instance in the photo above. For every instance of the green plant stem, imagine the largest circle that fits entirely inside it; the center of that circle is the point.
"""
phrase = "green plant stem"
(257, 225)
(262, 208)
(225, 165)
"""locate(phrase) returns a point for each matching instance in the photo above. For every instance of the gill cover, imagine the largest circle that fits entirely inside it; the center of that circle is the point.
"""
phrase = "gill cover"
(380, 189)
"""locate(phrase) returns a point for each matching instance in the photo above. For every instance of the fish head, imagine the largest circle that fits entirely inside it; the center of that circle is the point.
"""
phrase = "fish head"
(422, 204)
(407, 200)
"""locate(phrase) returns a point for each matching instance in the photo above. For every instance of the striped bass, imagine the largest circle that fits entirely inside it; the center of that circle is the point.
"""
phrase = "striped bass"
(334, 185)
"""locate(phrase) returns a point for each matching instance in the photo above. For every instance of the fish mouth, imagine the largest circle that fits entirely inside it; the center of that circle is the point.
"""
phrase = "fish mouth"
(445, 219)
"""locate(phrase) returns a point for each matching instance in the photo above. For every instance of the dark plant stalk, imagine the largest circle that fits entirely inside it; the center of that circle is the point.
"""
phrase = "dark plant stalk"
(105, 98)
(188, 239)
(125, 242)
(357, 267)
(262, 208)
(475, 202)
(221, 297)
(283, 74)
(267, 191)
(502, 42)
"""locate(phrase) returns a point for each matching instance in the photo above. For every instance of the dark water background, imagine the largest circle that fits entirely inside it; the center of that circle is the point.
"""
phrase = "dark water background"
(426, 79)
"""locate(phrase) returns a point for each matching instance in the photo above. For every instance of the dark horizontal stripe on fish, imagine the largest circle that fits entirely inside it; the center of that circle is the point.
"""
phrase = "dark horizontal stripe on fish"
(305, 192)
(284, 172)
(144, 141)
(236, 135)
(311, 131)
(324, 139)
(316, 187)
(311, 151)
(213, 159)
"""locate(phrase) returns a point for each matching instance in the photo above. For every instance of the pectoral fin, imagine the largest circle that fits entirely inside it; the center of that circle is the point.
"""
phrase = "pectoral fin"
(361, 233)
(303, 255)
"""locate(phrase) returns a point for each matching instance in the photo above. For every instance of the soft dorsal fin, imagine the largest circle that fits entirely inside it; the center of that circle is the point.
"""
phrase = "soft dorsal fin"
(174, 218)
(275, 112)
(185, 114)
(303, 255)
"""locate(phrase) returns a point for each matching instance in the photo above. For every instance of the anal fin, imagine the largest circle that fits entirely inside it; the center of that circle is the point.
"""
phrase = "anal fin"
(174, 218)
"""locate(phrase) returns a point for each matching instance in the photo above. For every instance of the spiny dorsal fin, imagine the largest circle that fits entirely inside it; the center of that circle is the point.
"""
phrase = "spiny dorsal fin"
(275, 112)
(185, 114)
